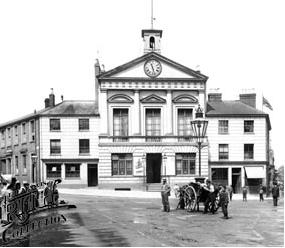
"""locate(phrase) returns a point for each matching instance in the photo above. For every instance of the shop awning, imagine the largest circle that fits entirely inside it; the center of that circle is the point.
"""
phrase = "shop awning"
(255, 171)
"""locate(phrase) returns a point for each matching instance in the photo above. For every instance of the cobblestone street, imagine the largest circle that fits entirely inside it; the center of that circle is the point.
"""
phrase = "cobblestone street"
(110, 221)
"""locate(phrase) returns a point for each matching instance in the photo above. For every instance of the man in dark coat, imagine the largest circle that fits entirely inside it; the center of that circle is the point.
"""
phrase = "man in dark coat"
(275, 194)
(165, 193)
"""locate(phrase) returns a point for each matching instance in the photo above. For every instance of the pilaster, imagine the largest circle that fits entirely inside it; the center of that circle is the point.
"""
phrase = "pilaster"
(136, 118)
(168, 120)
(103, 106)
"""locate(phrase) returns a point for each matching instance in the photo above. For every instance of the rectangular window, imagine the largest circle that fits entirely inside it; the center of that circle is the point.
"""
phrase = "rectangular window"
(248, 151)
(16, 165)
(184, 124)
(53, 170)
(185, 163)
(55, 146)
(54, 124)
(72, 170)
(24, 131)
(24, 162)
(9, 132)
(248, 126)
(16, 131)
(122, 164)
(84, 146)
(223, 126)
(152, 125)
(83, 124)
(223, 151)
(3, 135)
(120, 124)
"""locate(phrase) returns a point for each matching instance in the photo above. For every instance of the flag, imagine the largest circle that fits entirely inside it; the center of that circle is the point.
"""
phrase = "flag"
(266, 103)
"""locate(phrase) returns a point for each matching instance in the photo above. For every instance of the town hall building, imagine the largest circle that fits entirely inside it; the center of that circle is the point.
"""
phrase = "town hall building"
(138, 130)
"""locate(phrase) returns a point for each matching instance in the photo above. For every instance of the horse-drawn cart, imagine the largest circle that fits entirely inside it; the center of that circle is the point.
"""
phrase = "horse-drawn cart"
(192, 194)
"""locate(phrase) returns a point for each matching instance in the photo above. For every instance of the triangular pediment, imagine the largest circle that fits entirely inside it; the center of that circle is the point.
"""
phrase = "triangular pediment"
(120, 98)
(185, 98)
(135, 69)
(153, 99)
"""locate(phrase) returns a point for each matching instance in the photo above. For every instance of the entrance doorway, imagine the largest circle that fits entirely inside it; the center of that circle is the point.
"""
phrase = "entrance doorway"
(92, 175)
(236, 180)
(153, 167)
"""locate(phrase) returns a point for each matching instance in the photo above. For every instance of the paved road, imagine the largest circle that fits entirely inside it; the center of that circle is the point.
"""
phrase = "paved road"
(109, 221)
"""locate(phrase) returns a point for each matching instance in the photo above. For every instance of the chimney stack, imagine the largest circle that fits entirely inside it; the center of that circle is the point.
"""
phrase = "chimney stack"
(46, 102)
(214, 97)
(97, 72)
(249, 99)
(51, 99)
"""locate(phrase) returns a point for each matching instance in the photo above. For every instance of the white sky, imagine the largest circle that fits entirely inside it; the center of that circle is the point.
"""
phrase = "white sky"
(54, 44)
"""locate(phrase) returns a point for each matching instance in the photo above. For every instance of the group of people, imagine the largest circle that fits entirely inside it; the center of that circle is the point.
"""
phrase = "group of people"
(225, 195)
(274, 191)
(49, 194)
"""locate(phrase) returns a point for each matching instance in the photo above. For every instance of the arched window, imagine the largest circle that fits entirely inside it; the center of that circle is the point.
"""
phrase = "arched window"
(152, 42)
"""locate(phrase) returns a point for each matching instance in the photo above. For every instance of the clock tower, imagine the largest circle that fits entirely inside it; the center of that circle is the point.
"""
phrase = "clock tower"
(151, 39)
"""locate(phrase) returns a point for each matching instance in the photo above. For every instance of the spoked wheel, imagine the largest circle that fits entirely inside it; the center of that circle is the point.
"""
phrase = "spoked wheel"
(190, 199)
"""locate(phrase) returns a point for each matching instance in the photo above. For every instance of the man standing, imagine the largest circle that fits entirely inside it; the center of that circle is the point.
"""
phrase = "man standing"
(244, 193)
(211, 197)
(261, 193)
(165, 192)
(275, 193)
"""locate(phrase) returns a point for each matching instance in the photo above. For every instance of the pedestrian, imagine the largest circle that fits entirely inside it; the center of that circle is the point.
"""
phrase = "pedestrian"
(231, 192)
(244, 193)
(12, 185)
(275, 194)
(165, 193)
(261, 193)
(224, 201)
(176, 189)
(211, 198)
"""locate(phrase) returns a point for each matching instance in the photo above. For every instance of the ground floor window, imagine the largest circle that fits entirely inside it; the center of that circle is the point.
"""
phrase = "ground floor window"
(185, 163)
(220, 176)
(122, 164)
(53, 170)
(72, 170)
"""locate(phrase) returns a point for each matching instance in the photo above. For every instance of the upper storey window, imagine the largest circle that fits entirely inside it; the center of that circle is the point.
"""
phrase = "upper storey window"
(120, 124)
(184, 124)
(83, 124)
(152, 124)
(223, 126)
(54, 124)
(248, 126)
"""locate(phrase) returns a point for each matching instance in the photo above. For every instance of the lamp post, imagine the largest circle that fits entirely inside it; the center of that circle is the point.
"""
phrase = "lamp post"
(34, 162)
(199, 127)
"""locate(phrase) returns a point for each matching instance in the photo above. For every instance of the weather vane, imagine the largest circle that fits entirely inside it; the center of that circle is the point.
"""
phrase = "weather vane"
(152, 18)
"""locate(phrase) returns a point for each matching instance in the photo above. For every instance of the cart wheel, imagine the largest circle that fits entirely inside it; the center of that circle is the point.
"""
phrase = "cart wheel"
(216, 204)
(191, 199)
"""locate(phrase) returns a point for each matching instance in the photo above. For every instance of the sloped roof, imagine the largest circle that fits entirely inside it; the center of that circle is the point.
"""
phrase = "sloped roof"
(70, 108)
(233, 109)
(196, 74)
(65, 108)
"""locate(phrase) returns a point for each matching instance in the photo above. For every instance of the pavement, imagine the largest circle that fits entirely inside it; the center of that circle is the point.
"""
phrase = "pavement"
(94, 191)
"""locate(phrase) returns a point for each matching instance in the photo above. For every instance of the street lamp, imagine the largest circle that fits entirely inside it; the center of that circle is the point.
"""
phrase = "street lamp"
(199, 127)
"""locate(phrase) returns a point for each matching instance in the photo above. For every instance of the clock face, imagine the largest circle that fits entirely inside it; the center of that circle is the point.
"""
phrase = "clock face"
(152, 68)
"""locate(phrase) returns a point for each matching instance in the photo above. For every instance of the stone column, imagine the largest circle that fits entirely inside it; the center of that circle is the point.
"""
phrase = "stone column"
(136, 118)
(168, 118)
(103, 110)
